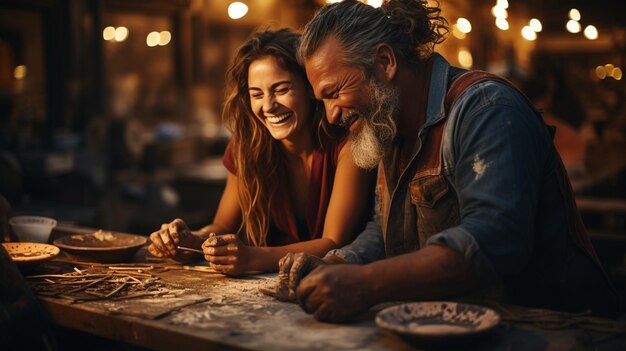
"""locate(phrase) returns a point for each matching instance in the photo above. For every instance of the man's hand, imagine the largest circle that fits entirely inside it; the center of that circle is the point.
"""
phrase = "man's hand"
(335, 293)
(227, 254)
(164, 241)
(291, 269)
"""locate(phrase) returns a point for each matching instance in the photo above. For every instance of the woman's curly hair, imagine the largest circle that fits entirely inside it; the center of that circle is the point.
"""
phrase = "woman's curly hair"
(258, 157)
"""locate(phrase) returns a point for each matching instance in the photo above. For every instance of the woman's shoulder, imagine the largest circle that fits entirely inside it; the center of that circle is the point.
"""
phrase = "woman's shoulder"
(334, 147)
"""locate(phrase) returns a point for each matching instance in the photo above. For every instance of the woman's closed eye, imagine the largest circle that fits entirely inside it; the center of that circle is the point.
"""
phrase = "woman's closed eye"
(256, 95)
(282, 88)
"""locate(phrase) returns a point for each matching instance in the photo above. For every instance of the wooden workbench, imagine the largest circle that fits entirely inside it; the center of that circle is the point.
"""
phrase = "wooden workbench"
(208, 311)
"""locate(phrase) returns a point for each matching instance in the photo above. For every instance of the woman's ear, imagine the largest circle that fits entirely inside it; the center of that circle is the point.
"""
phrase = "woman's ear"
(386, 62)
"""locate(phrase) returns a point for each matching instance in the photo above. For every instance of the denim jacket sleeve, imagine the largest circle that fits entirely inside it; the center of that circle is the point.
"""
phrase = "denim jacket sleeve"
(367, 247)
(497, 151)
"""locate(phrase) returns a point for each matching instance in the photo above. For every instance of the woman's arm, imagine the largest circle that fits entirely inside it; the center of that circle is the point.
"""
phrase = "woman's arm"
(228, 215)
(349, 202)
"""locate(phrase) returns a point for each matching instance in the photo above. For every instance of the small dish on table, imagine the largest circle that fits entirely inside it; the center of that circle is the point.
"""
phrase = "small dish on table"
(28, 253)
(438, 322)
(101, 246)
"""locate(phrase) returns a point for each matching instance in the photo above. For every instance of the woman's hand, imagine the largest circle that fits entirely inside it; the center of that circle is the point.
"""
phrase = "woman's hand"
(228, 254)
(164, 241)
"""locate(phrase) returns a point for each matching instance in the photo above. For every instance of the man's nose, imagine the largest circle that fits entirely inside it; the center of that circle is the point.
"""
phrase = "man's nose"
(332, 112)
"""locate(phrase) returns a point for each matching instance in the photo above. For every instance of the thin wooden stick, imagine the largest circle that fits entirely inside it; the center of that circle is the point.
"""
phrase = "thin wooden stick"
(126, 268)
(138, 295)
(117, 290)
(190, 249)
(66, 276)
(80, 288)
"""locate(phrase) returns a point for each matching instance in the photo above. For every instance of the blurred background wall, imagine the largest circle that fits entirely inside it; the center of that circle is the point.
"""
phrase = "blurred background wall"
(110, 109)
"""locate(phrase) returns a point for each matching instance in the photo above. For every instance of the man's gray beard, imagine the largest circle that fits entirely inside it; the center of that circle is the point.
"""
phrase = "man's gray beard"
(373, 138)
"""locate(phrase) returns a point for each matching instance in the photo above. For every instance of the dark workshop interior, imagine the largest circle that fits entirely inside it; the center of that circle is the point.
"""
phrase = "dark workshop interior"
(110, 109)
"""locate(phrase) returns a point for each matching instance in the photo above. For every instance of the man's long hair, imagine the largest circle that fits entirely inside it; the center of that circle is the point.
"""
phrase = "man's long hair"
(258, 157)
(410, 27)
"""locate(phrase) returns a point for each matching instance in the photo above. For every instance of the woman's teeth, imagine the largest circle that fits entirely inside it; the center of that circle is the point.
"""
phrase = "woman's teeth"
(279, 118)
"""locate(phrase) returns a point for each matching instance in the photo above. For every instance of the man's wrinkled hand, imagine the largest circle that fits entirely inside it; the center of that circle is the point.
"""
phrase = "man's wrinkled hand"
(292, 268)
(335, 293)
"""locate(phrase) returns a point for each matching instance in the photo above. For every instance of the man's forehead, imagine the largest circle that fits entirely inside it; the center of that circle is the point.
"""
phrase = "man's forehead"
(328, 55)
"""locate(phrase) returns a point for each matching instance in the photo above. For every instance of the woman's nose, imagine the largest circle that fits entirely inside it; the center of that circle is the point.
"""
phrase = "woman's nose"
(269, 103)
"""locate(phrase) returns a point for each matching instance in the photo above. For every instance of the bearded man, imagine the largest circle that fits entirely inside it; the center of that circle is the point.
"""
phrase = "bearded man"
(471, 198)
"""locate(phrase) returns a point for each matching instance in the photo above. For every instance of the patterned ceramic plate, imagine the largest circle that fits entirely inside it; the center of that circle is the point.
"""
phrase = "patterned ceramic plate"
(440, 320)
(27, 252)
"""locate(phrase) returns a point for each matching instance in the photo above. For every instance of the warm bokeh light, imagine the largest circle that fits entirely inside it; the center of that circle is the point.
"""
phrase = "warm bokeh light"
(572, 26)
(237, 10)
(591, 32)
(528, 33)
(502, 23)
(503, 3)
(535, 24)
(574, 15)
(464, 25)
(108, 33)
(608, 70)
(164, 38)
(374, 3)
(20, 72)
(499, 12)
(121, 33)
(153, 39)
(465, 58)
(457, 33)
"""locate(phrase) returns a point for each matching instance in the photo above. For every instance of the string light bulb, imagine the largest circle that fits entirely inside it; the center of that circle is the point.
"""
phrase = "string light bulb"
(237, 10)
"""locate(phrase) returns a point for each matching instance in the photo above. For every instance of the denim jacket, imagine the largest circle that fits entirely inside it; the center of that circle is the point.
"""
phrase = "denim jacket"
(499, 162)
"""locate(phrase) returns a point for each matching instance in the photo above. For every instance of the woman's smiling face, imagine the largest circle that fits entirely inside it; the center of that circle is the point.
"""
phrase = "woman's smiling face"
(279, 99)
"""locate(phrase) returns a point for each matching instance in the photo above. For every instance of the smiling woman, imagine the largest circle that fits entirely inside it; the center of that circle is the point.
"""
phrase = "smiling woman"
(292, 184)
(281, 101)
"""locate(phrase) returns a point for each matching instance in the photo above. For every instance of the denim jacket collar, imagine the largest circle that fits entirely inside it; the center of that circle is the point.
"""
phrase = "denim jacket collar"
(437, 91)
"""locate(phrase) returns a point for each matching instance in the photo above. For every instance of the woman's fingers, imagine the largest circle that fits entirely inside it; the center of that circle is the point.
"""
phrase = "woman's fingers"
(219, 240)
(154, 251)
(224, 268)
(158, 249)
(166, 239)
(221, 260)
(174, 234)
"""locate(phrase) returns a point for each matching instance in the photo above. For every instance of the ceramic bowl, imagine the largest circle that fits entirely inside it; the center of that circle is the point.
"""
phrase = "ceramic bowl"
(101, 246)
(32, 228)
(437, 321)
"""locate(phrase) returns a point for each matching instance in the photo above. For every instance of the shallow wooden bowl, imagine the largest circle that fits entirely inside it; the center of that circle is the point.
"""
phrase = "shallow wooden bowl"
(101, 246)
